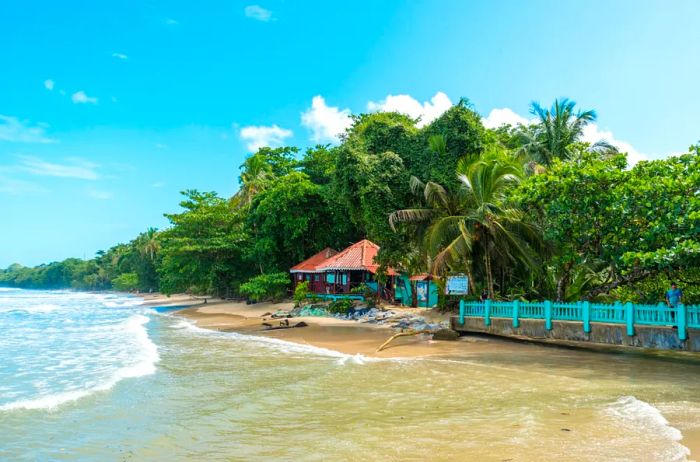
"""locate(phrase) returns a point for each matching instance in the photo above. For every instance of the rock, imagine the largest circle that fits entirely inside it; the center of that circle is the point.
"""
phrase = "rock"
(300, 324)
(445, 334)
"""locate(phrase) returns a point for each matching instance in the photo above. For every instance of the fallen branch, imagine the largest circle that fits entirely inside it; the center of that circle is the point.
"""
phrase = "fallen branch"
(402, 334)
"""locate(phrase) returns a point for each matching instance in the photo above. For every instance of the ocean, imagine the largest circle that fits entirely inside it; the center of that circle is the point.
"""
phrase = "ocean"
(100, 377)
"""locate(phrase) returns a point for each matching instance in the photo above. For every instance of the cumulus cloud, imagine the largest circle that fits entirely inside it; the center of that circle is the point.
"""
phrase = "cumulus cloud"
(504, 116)
(326, 123)
(120, 56)
(73, 168)
(592, 134)
(17, 131)
(80, 97)
(258, 13)
(406, 104)
(49, 84)
(257, 137)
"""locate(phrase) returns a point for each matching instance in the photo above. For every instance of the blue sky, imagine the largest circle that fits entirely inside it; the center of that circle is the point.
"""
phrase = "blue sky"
(109, 109)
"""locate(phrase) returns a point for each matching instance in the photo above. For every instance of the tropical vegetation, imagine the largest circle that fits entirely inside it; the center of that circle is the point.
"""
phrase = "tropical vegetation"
(531, 211)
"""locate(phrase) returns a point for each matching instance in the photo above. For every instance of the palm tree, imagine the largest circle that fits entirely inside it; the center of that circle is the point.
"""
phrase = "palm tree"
(149, 244)
(558, 128)
(255, 177)
(475, 224)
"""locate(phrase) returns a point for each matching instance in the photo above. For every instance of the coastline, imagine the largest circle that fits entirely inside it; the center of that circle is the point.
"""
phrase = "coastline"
(344, 336)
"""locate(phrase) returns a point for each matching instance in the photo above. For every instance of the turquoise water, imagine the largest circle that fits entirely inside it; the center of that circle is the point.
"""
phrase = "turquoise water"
(97, 377)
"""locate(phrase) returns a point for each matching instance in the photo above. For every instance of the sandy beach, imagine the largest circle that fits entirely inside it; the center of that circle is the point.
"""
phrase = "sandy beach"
(350, 337)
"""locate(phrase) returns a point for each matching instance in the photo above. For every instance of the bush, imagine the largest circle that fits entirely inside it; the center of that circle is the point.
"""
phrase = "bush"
(126, 282)
(341, 306)
(266, 287)
(367, 292)
(301, 293)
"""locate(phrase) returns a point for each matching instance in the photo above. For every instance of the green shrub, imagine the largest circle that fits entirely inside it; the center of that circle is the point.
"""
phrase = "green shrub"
(266, 287)
(301, 293)
(341, 306)
(126, 282)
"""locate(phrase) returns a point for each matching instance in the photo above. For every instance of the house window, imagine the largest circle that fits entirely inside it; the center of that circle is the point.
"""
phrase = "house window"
(330, 278)
(300, 276)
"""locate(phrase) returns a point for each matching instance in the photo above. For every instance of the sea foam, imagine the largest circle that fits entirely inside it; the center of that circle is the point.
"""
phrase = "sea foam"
(646, 417)
(77, 348)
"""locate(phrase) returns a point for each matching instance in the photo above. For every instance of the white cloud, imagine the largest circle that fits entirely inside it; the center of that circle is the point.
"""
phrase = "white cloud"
(257, 12)
(158, 184)
(259, 136)
(326, 123)
(120, 56)
(406, 104)
(101, 195)
(79, 97)
(592, 134)
(18, 131)
(504, 116)
(49, 84)
(160, 146)
(74, 168)
(171, 21)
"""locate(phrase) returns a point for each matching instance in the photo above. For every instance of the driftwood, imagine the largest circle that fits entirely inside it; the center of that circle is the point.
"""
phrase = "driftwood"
(402, 334)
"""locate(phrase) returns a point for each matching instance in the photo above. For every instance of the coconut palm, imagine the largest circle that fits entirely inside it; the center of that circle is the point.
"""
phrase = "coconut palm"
(557, 129)
(255, 177)
(474, 227)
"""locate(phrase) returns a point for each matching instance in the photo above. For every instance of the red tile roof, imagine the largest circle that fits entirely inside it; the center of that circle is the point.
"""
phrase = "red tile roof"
(359, 256)
(311, 264)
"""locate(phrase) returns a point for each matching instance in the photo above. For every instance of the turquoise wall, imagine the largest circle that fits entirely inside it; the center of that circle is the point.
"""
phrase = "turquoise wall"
(402, 292)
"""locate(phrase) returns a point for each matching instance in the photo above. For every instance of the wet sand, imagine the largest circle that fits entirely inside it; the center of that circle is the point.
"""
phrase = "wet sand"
(350, 337)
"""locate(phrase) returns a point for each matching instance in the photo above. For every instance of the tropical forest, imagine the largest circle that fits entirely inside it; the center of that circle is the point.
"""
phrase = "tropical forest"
(527, 212)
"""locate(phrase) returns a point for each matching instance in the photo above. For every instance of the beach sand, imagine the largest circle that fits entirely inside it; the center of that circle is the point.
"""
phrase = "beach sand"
(350, 337)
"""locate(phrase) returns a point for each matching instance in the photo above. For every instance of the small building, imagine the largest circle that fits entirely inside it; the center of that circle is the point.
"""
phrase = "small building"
(330, 272)
(308, 271)
(353, 266)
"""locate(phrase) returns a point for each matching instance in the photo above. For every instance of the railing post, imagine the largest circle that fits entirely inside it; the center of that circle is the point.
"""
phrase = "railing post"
(586, 310)
(629, 318)
(516, 313)
(548, 315)
(461, 312)
(487, 312)
(682, 321)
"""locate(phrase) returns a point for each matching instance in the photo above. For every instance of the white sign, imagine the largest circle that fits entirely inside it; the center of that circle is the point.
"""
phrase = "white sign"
(457, 285)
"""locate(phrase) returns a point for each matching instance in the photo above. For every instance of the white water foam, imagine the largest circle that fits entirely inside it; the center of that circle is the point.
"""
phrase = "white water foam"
(282, 346)
(644, 416)
(72, 362)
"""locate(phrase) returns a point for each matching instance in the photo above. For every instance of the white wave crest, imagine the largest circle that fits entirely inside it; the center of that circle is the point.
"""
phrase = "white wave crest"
(645, 416)
(144, 365)
(280, 345)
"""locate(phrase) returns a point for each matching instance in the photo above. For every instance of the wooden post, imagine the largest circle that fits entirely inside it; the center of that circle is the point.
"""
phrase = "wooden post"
(461, 312)
(586, 310)
(516, 313)
(629, 318)
(681, 313)
(487, 312)
(548, 315)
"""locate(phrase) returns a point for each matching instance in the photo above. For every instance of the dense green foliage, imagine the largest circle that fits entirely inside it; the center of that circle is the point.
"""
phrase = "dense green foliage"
(271, 286)
(529, 211)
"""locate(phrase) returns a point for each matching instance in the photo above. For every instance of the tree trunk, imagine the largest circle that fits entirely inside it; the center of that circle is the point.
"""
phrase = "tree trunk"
(414, 294)
(489, 274)
(563, 282)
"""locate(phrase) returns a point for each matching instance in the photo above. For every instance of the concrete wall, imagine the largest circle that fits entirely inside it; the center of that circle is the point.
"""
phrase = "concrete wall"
(663, 338)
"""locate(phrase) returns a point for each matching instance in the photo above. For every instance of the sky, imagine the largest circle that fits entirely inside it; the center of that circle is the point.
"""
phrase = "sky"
(109, 109)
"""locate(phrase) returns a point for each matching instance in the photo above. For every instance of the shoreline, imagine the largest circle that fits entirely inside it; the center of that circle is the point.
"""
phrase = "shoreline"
(344, 336)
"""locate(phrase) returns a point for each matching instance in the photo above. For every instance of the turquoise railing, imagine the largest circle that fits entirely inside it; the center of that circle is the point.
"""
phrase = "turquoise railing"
(629, 314)
(335, 297)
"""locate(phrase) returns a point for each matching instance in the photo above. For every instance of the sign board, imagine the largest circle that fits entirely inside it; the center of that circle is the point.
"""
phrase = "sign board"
(457, 285)
(422, 291)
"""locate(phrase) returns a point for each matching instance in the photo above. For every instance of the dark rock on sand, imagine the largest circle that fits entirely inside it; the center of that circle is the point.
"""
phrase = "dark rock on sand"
(445, 334)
